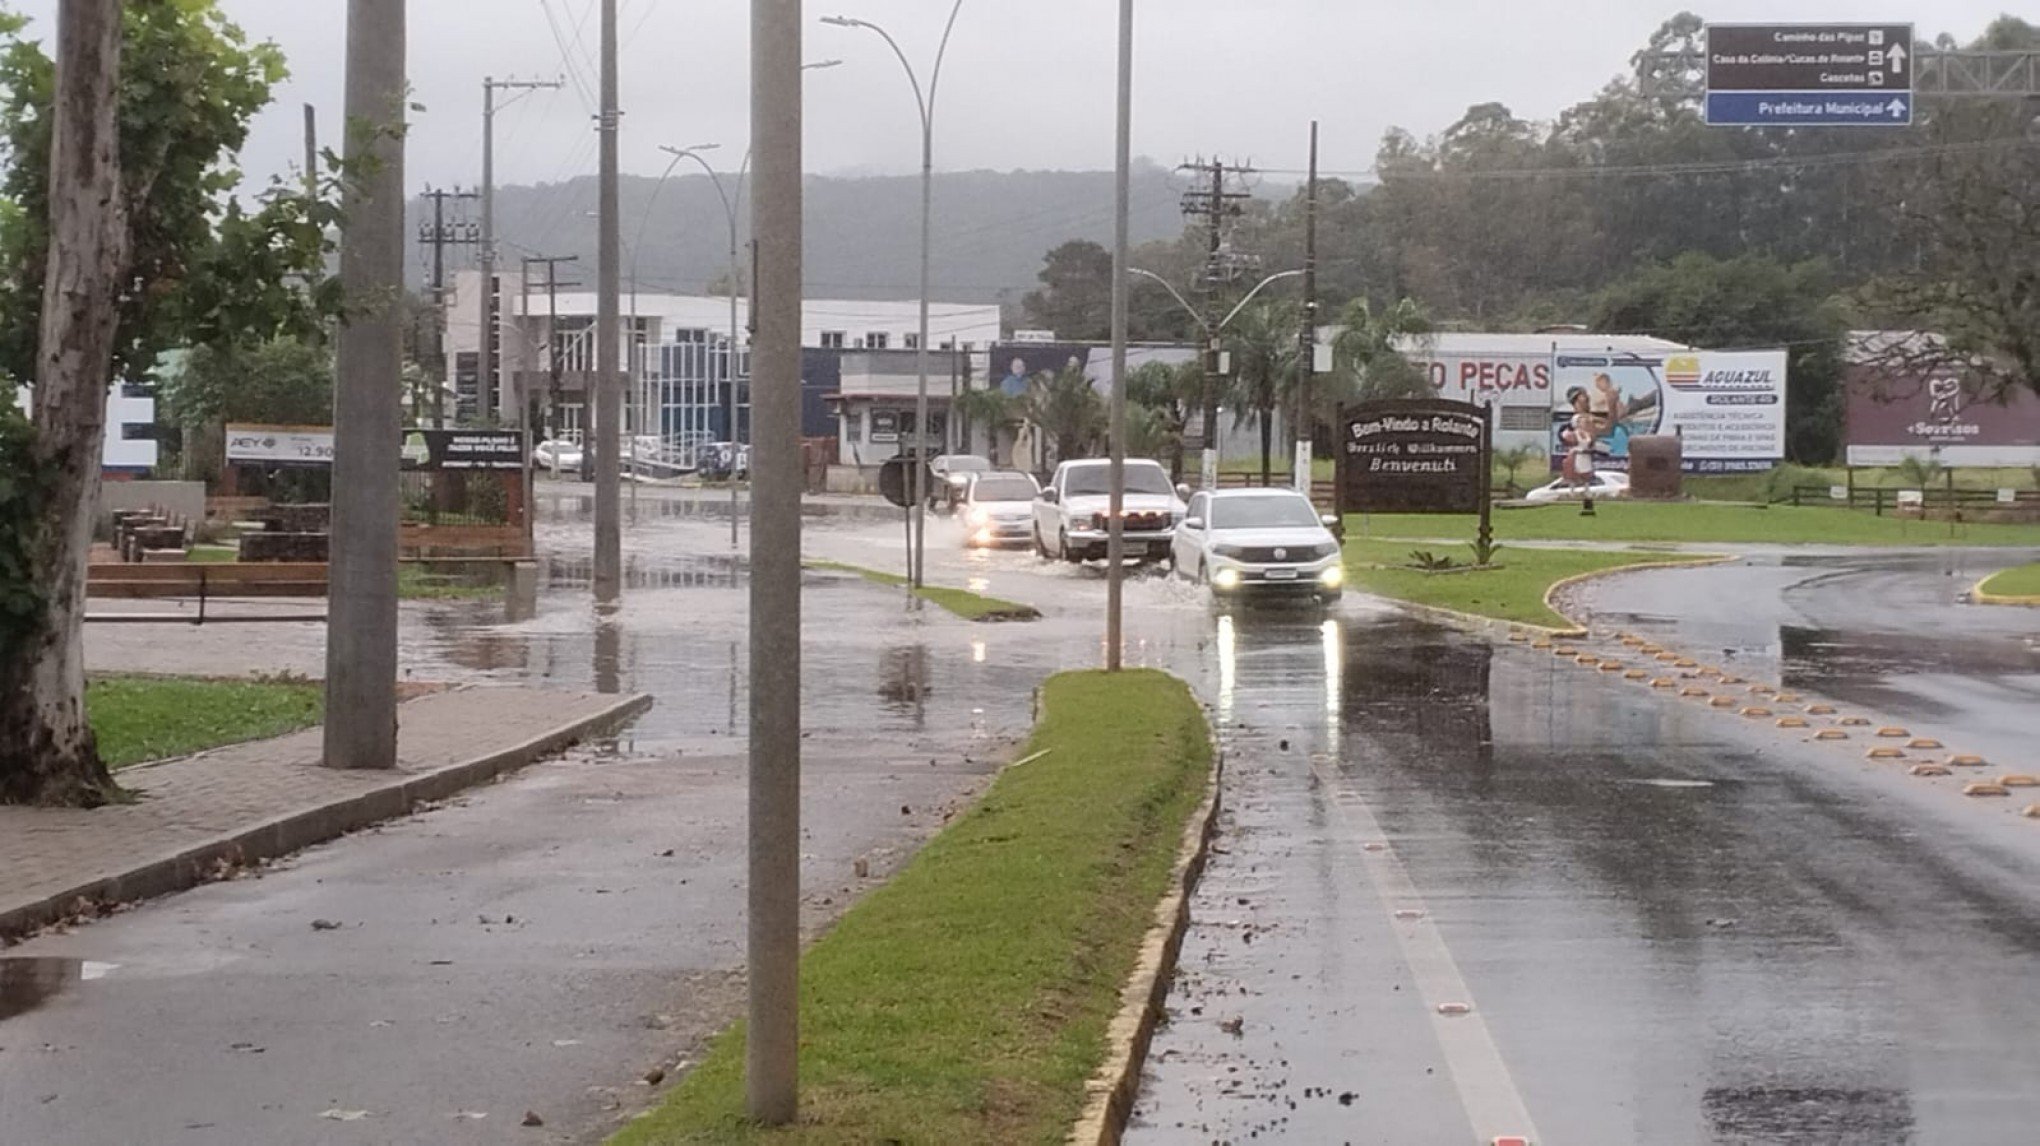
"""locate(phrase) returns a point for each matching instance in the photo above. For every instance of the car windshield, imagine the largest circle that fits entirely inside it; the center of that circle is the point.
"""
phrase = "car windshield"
(1271, 511)
(964, 464)
(1096, 481)
(1003, 487)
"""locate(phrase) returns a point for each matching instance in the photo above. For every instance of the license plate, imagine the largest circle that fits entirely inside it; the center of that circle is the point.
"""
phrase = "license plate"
(1281, 574)
(1135, 548)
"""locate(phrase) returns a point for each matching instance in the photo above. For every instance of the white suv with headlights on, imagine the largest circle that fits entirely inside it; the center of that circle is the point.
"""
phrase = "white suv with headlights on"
(1259, 543)
(1070, 516)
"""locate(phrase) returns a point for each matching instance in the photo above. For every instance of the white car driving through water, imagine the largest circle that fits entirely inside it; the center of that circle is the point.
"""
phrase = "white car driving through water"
(1257, 544)
(997, 508)
(1070, 516)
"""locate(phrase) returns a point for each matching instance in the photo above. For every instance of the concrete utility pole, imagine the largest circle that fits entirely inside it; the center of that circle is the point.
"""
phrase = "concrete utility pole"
(361, 632)
(772, 1048)
(438, 236)
(607, 386)
(486, 390)
(1115, 529)
(1215, 205)
(311, 150)
(925, 101)
(1306, 350)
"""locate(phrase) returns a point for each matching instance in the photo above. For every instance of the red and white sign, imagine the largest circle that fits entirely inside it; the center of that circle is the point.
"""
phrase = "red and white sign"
(1485, 379)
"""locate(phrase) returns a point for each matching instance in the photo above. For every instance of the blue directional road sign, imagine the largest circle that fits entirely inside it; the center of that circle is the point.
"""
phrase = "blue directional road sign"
(1809, 109)
(1810, 75)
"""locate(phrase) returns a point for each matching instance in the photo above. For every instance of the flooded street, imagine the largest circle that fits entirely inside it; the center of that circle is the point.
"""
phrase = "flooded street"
(1469, 891)
(1462, 889)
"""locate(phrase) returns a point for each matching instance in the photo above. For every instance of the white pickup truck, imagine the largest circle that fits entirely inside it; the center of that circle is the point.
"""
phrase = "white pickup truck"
(1070, 515)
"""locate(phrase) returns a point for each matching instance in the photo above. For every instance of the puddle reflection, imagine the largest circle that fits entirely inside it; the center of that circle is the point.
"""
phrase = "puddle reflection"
(29, 983)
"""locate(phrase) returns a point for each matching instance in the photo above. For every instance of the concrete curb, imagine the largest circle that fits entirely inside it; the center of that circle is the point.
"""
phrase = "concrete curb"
(1109, 1096)
(1579, 629)
(163, 874)
(1978, 596)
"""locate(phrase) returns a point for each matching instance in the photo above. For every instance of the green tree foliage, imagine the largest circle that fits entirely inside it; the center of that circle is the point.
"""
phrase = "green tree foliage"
(209, 269)
(204, 270)
(1168, 395)
(1263, 341)
(281, 381)
(1075, 299)
(1745, 302)
(1066, 407)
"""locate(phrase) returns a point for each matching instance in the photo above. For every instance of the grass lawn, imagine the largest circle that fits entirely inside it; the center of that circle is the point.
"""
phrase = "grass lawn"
(1697, 522)
(970, 606)
(422, 583)
(151, 718)
(1514, 591)
(967, 1000)
(2021, 581)
(213, 555)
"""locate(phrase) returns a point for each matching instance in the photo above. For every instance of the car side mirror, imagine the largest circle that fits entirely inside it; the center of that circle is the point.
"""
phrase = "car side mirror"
(1184, 491)
(1193, 523)
(1331, 520)
(1049, 496)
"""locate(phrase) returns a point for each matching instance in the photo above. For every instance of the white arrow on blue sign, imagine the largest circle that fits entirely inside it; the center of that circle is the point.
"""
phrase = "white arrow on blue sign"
(1809, 109)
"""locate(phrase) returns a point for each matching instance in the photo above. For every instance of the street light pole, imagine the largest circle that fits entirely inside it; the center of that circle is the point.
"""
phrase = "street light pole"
(1115, 535)
(606, 389)
(926, 103)
(729, 207)
(772, 1046)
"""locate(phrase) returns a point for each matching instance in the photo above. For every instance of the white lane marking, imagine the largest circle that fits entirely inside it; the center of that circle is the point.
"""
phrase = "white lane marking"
(1487, 1091)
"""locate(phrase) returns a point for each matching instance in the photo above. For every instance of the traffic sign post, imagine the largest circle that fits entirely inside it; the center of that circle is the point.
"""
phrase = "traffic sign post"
(1810, 75)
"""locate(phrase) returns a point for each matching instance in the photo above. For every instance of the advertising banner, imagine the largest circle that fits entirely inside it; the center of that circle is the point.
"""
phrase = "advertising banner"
(423, 449)
(1726, 407)
(1412, 456)
(464, 450)
(1938, 413)
(280, 445)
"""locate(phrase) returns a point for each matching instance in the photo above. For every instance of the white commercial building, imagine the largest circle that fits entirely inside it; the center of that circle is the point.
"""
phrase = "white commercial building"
(676, 353)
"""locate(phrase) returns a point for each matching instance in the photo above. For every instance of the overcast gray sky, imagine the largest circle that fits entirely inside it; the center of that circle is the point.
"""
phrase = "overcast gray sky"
(1028, 83)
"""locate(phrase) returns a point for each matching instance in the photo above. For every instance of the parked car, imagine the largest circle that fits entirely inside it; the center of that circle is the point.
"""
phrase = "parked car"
(720, 461)
(561, 456)
(998, 508)
(1070, 515)
(1601, 483)
(952, 474)
(1257, 544)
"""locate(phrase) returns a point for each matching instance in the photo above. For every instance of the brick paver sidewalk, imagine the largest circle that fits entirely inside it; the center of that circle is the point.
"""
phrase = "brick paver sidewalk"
(271, 797)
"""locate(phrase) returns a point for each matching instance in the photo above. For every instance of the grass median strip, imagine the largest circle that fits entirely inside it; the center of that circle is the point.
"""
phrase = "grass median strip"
(964, 603)
(2020, 583)
(1514, 590)
(1701, 522)
(968, 999)
(138, 719)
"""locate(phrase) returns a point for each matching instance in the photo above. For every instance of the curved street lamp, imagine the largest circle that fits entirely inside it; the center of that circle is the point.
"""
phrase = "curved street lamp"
(925, 102)
(1211, 330)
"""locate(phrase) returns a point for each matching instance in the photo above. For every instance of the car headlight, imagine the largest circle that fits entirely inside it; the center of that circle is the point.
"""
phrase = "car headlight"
(1226, 579)
(1333, 577)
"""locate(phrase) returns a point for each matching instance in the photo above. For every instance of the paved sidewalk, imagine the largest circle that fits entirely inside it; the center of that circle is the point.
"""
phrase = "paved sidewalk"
(271, 797)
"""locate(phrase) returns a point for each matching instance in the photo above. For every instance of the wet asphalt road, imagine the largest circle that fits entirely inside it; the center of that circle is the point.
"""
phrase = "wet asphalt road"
(1888, 631)
(1670, 924)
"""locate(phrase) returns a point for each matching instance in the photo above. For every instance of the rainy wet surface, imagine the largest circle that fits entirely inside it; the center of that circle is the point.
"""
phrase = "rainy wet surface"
(26, 984)
(1672, 927)
(1663, 924)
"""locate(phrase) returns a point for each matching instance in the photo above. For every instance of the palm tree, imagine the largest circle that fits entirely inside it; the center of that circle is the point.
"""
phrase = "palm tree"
(1514, 459)
(1367, 353)
(1066, 407)
(1169, 394)
(1264, 350)
(995, 410)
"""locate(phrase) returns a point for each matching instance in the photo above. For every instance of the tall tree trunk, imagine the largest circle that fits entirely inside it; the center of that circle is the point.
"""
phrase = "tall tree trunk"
(47, 754)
